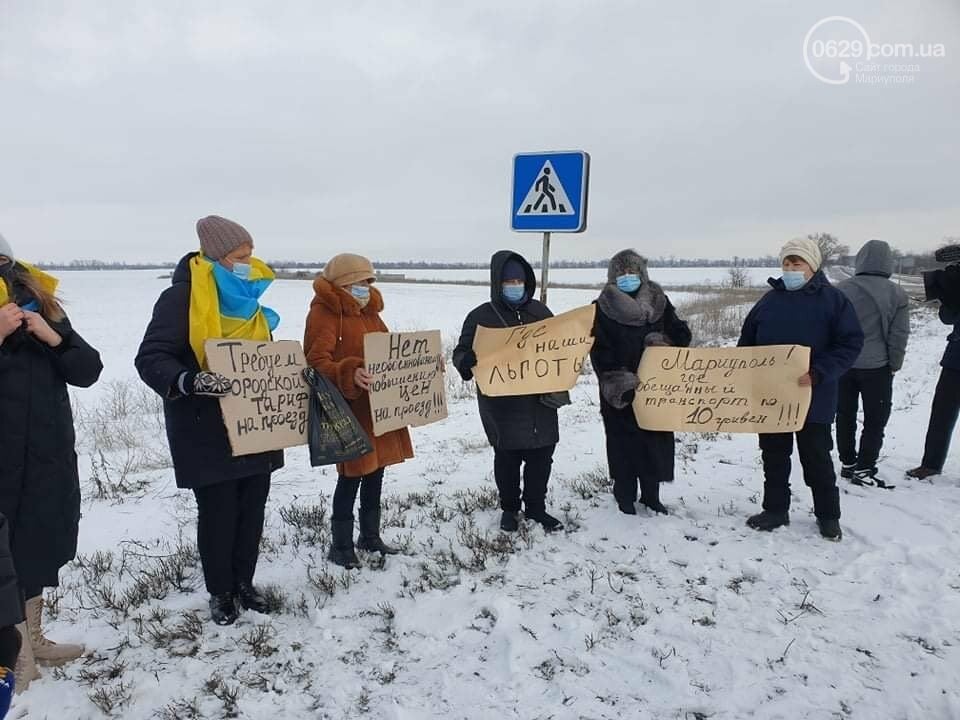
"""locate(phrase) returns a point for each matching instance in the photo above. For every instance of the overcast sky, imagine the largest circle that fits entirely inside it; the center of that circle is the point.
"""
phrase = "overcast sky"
(388, 128)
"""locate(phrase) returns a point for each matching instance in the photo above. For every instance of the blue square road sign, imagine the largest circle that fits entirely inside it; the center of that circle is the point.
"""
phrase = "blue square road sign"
(550, 192)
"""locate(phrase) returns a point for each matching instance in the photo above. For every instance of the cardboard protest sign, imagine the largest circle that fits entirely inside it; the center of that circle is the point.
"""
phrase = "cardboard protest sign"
(735, 390)
(267, 406)
(533, 359)
(408, 386)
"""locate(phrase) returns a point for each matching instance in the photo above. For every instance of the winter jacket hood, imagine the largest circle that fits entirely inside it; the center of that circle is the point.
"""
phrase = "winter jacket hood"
(497, 263)
(875, 258)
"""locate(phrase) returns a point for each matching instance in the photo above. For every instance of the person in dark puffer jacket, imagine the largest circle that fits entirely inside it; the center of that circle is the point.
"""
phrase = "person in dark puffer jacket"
(803, 308)
(522, 429)
(883, 309)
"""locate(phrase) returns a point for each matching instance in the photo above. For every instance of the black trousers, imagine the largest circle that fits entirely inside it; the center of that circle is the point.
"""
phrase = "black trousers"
(345, 494)
(943, 418)
(536, 474)
(229, 527)
(876, 389)
(814, 443)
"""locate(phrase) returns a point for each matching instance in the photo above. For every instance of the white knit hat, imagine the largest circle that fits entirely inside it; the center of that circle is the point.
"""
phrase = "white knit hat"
(803, 248)
(6, 250)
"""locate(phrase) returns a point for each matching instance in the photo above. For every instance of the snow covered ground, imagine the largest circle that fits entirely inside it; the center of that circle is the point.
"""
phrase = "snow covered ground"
(689, 616)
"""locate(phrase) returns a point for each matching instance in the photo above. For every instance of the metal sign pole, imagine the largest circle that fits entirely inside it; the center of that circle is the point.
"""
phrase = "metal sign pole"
(545, 268)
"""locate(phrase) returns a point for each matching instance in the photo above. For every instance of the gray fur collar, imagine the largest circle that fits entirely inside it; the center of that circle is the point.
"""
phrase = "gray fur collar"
(647, 308)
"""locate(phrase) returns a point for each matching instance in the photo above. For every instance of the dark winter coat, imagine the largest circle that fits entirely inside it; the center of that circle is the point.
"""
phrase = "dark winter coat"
(882, 307)
(39, 481)
(513, 422)
(951, 357)
(618, 348)
(819, 317)
(195, 430)
(11, 603)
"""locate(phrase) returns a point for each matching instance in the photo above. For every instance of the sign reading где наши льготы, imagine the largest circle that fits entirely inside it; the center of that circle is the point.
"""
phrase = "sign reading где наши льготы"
(736, 390)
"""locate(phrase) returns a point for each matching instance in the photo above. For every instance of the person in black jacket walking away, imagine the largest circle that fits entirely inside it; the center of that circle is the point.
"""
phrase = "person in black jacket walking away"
(40, 354)
(803, 308)
(215, 294)
(632, 315)
(522, 429)
(883, 309)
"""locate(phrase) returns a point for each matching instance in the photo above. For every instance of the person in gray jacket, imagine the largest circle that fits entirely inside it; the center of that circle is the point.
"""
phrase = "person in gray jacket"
(884, 313)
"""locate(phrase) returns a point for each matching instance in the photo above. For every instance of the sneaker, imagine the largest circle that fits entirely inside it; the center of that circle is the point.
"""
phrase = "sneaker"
(869, 476)
(251, 598)
(830, 528)
(922, 473)
(768, 520)
(847, 471)
(509, 522)
(547, 521)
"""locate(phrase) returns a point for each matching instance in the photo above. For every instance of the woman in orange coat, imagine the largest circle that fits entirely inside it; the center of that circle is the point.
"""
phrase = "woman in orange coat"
(346, 307)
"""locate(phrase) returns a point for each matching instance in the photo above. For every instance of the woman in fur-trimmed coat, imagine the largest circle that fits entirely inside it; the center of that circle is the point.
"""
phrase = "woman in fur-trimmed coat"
(632, 315)
(346, 307)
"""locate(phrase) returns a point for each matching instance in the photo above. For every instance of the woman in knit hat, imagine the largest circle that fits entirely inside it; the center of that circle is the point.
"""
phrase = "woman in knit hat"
(633, 314)
(40, 354)
(215, 294)
(803, 308)
(346, 307)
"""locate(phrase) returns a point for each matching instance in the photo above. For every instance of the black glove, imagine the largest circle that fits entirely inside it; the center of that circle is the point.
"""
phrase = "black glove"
(468, 361)
(208, 384)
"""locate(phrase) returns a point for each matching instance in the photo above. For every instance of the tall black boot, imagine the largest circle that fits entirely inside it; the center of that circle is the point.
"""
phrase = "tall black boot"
(370, 539)
(341, 546)
(650, 496)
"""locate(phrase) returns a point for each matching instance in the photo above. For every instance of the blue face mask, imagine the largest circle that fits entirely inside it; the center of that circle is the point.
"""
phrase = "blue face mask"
(242, 270)
(360, 292)
(513, 293)
(794, 279)
(629, 283)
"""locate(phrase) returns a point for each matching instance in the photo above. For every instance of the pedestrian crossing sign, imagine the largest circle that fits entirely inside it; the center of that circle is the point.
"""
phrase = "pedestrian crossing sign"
(550, 192)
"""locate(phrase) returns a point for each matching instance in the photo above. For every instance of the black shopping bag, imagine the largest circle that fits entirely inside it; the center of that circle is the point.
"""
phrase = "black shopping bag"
(335, 435)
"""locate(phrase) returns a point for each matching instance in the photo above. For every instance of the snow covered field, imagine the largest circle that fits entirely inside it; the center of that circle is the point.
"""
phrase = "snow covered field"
(690, 616)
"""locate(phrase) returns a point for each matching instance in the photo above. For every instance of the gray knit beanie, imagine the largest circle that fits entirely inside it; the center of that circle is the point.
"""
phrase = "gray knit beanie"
(220, 237)
(6, 250)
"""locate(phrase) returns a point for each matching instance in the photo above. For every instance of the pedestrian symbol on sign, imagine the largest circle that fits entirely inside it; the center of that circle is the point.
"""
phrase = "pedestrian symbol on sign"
(546, 196)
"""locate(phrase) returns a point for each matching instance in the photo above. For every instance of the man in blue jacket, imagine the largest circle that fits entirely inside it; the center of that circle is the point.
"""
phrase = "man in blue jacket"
(803, 308)
(946, 399)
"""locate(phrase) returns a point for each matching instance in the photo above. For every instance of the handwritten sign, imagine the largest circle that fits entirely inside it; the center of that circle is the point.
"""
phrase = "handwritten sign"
(735, 390)
(533, 359)
(267, 405)
(408, 386)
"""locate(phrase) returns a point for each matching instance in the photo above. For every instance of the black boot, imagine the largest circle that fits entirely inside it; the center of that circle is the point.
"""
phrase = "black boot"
(370, 539)
(627, 508)
(509, 522)
(830, 529)
(650, 496)
(223, 609)
(768, 520)
(252, 599)
(341, 546)
(547, 521)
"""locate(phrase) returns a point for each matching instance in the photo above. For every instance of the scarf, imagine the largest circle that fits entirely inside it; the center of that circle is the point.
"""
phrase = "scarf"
(47, 282)
(223, 305)
(646, 309)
